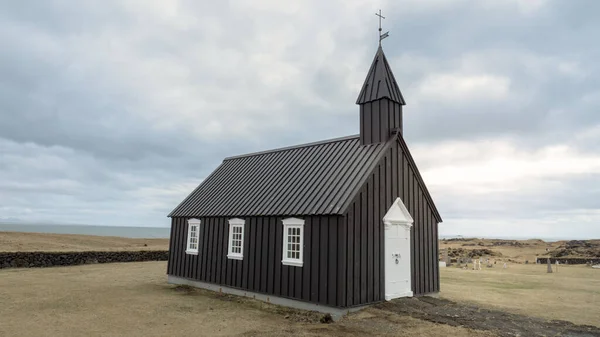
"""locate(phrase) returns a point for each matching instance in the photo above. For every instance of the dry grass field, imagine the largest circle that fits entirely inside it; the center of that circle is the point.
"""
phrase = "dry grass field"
(572, 293)
(133, 299)
(30, 242)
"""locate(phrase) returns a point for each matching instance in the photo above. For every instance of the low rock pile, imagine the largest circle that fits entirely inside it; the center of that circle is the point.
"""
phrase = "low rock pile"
(578, 248)
(569, 260)
(472, 253)
(50, 259)
(509, 243)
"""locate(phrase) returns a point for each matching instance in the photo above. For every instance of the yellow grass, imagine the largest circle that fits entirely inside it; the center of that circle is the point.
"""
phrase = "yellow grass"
(30, 242)
(572, 293)
(133, 299)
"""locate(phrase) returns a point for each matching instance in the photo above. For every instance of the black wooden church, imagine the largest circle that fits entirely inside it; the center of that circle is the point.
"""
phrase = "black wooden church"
(337, 223)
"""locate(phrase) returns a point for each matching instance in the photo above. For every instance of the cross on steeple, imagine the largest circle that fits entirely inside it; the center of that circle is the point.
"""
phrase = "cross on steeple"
(384, 35)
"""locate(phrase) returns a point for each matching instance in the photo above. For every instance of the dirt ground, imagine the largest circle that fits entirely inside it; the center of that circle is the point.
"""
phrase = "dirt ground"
(499, 322)
(133, 299)
(30, 242)
(572, 293)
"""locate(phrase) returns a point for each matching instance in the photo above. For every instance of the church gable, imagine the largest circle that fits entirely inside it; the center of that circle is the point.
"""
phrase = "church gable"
(395, 170)
(394, 176)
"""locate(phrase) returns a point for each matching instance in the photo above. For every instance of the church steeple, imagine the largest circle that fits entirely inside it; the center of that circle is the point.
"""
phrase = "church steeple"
(380, 82)
(380, 102)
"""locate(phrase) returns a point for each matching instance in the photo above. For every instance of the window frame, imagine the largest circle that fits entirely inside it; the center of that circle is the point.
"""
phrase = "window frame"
(192, 223)
(287, 224)
(235, 223)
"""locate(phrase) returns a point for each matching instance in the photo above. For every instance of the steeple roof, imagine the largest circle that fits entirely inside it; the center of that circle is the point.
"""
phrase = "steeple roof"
(380, 82)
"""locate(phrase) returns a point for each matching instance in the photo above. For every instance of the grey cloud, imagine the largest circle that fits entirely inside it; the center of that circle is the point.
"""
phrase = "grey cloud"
(130, 99)
(510, 45)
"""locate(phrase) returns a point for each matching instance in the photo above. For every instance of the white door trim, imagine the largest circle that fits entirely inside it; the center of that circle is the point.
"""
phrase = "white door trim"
(398, 278)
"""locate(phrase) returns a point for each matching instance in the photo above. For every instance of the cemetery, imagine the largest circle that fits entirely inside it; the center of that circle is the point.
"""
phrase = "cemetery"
(514, 275)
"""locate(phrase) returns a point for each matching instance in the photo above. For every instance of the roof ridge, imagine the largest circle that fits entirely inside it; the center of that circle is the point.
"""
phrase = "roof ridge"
(299, 146)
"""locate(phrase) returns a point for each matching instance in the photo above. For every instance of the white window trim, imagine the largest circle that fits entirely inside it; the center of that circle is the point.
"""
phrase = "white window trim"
(193, 223)
(293, 223)
(230, 253)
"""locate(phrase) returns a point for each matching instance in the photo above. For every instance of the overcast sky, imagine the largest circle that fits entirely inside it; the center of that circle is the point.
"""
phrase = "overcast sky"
(111, 112)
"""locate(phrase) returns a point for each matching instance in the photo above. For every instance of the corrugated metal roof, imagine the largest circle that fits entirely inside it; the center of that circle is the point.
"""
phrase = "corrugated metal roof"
(310, 179)
(380, 82)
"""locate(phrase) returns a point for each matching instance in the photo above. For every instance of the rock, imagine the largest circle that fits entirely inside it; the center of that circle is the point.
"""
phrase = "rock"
(326, 319)
(49, 259)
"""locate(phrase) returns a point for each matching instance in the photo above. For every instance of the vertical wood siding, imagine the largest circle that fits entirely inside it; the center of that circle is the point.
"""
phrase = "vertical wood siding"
(363, 241)
(343, 255)
(261, 269)
(377, 119)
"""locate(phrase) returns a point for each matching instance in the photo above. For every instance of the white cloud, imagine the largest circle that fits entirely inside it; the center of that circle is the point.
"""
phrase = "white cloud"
(57, 184)
(113, 112)
(524, 7)
(574, 224)
(457, 88)
(572, 69)
(500, 165)
(500, 187)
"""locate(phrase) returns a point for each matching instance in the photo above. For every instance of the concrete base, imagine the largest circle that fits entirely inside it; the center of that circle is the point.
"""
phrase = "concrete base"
(389, 297)
(336, 313)
(434, 295)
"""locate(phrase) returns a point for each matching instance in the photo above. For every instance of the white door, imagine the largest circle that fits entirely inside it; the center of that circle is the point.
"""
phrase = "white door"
(398, 224)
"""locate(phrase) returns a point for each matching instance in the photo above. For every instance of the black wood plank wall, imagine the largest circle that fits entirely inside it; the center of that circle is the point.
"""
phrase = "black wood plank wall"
(343, 264)
(393, 177)
(377, 119)
(261, 269)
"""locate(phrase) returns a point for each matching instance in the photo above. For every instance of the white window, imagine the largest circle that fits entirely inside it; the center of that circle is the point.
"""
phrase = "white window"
(192, 238)
(236, 239)
(293, 241)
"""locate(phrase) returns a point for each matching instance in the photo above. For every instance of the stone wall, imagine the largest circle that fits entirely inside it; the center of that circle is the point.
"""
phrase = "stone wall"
(50, 259)
(569, 260)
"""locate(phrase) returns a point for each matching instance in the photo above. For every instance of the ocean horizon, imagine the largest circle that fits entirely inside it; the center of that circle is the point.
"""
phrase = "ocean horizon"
(164, 232)
(121, 231)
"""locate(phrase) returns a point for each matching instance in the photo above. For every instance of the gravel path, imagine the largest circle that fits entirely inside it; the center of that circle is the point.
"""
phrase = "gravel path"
(499, 322)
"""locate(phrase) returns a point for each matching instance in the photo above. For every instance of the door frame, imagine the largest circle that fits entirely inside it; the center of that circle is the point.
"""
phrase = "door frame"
(397, 218)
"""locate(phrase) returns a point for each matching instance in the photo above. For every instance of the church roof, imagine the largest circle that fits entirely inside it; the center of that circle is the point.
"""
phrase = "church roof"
(380, 82)
(309, 179)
